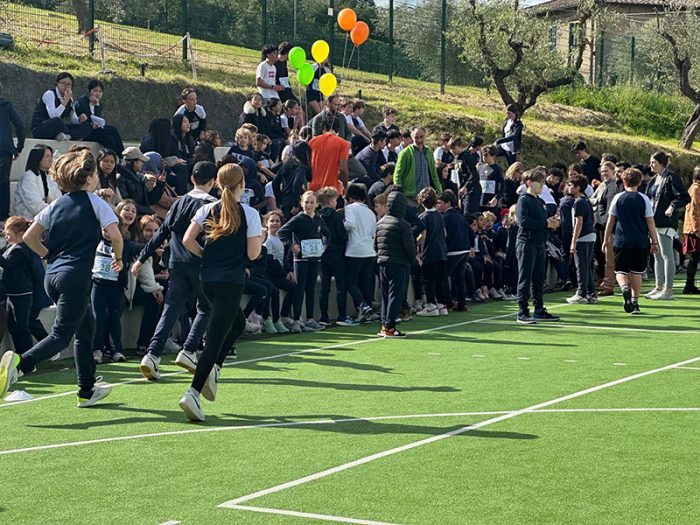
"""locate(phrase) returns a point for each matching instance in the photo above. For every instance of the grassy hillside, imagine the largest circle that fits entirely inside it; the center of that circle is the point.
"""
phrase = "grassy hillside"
(551, 127)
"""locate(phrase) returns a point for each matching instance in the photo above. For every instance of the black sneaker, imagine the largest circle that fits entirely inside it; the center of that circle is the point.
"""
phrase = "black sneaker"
(544, 316)
(627, 296)
(525, 318)
(635, 309)
(364, 314)
(691, 290)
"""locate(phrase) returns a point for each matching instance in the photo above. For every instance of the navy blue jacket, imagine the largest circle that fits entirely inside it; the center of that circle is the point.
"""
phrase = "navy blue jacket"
(8, 118)
(457, 234)
(532, 220)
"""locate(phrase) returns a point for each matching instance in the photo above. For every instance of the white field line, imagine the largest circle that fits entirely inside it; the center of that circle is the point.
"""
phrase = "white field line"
(367, 339)
(602, 327)
(463, 430)
(171, 522)
(689, 367)
(309, 515)
(229, 428)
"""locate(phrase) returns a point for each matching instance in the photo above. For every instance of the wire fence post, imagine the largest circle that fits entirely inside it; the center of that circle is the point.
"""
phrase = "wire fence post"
(183, 28)
(264, 23)
(443, 28)
(633, 43)
(601, 59)
(391, 40)
(91, 23)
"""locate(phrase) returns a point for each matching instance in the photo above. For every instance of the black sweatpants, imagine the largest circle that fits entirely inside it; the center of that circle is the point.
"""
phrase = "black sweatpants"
(433, 282)
(225, 327)
(5, 170)
(23, 322)
(306, 273)
(291, 288)
(359, 279)
(392, 282)
(455, 268)
(531, 268)
(333, 265)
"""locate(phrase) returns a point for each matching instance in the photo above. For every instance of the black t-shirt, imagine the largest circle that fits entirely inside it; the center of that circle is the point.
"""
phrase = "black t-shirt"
(590, 168)
(282, 78)
(583, 208)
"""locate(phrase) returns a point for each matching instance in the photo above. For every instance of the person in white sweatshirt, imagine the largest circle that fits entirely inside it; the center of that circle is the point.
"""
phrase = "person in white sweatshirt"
(36, 189)
(360, 223)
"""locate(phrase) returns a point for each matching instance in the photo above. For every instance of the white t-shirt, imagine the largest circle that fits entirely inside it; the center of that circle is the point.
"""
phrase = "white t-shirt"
(284, 120)
(269, 191)
(275, 247)
(267, 73)
(508, 146)
(361, 224)
(252, 217)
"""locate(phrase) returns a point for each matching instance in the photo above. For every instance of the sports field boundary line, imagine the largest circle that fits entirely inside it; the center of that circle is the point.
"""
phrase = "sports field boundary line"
(379, 455)
(600, 327)
(689, 368)
(309, 515)
(368, 339)
(317, 422)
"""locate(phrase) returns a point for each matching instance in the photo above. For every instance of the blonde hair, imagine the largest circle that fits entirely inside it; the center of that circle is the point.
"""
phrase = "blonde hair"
(242, 132)
(489, 216)
(516, 167)
(307, 193)
(326, 196)
(72, 170)
(228, 179)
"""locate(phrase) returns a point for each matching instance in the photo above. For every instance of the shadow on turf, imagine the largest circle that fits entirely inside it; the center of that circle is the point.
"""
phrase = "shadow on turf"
(359, 427)
(337, 386)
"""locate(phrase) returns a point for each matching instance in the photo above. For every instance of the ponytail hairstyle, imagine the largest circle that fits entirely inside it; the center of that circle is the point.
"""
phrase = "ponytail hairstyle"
(228, 179)
(72, 170)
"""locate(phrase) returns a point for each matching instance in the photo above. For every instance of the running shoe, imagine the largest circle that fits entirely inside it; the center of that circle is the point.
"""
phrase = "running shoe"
(118, 357)
(295, 327)
(652, 293)
(281, 327)
(190, 405)
(9, 371)
(348, 321)
(149, 367)
(627, 297)
(665, 295)
(211, 384)
(269, 326)
(87, 399)
(525, 318)
(187, 360)
(593, 299)
(97, 357)
(392, 333)
(635, 309)
(577, 299)
(171, 347)
(442, 309)
(312, 326)
(544, 316)
(430, 310)
(364, 314)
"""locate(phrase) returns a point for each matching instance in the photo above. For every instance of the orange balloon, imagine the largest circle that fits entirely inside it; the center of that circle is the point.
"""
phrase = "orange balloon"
(347, 19)
(359, 33)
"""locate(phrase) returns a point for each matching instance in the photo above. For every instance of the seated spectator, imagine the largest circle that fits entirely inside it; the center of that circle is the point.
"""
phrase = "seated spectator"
(379, 187)
(368, 158)
(162, 141)
(195, 114)
(387, 124)
(155, 167)
(180, 128)
(330, 111)
(36, 189)
(261, 157)
(21, 269)
(90, 105)
(254, 113)
(203, 151)
(9, 118)
(442, 153)
(360, 137)
(291, 178)
(275, 131)
(54, 114)
(107, 169)
(291, 117)
(213, 138)
(390, 153)
(445, 174)
(132, 184)
(313, 91)
(243, 146)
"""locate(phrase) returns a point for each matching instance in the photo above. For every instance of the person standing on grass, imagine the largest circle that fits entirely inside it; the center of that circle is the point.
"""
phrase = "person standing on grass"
(75, 225)
(589, 163)
(233, 238)
(628, 230)
(184, 268)
(668, 195)
(582, 241)
(691, 229)
(9, 118)
(329, 158)
(415, 167)
(534, 226)
(601, 199)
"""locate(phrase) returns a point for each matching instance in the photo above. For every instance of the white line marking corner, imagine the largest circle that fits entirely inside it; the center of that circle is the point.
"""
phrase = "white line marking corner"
(322, 517)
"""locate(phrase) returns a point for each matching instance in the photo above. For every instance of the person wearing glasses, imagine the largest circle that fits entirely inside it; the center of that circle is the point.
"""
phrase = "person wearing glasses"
(54, 115)
(332, 108)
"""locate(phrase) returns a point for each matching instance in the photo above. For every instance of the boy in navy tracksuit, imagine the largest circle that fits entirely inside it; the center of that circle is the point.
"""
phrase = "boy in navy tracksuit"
(431, 229)
(333, 259)
(396, 250)
(184, 270)
(530, 248)
(458, 247)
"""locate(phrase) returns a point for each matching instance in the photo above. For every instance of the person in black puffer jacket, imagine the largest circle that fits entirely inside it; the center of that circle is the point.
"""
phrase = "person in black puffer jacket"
(291, 178)
(396, 250)
(333, 258)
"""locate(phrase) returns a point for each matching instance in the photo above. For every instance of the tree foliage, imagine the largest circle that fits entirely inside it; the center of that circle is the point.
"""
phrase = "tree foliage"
(513, 46)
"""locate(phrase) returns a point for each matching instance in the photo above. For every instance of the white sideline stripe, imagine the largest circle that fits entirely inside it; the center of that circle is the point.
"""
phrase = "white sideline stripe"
(602, 327)
(328, 422)
(570, 360)
(368, 339)
(689, 367)
(415, 444)
(322, 517)
(524, 358)
(171, 522)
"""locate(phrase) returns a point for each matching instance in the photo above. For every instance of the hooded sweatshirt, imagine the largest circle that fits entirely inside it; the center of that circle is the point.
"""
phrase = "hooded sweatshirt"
(394, 238)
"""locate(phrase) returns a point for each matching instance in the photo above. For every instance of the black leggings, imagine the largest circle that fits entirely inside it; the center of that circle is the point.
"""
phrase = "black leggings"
(306, 273)
(225, 326)
(290, 287)
(259, 294)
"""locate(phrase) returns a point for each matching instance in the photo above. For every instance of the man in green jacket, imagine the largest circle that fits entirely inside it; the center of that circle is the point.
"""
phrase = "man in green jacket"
(415, 167)
(332, 105)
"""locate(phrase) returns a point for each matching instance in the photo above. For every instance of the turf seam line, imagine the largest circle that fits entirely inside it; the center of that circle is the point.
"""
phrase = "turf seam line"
(309, 515)
(368, 339)
(333, 421)
(432, 439)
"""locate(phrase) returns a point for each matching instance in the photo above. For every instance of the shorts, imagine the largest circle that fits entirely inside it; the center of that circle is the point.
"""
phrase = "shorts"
(631, 260)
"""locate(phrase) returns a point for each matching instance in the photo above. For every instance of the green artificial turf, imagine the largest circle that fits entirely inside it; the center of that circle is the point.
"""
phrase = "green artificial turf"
(548, 467)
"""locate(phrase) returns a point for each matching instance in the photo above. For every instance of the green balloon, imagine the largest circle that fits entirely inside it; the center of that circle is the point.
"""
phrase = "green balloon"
(297, 57)
(305, 74)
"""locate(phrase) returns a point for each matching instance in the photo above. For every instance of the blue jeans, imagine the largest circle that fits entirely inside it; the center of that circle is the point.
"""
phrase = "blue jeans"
(183, 286)
(71, 294)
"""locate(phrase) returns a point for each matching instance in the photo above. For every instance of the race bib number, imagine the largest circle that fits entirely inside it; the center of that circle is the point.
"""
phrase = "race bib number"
(311, 248)
(315, 85)
(102, 268)
(284, 81)
(454, 176)
(488, 186)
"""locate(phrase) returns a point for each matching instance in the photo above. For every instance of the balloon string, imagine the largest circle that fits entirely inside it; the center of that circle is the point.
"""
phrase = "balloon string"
(351, 54)
(346, 49)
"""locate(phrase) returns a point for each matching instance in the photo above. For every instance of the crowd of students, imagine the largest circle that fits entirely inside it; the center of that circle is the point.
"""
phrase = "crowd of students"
(165, 227)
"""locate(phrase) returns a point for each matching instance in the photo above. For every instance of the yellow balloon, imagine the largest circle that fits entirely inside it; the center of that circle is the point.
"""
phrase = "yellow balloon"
(327, 84)
(320, 50)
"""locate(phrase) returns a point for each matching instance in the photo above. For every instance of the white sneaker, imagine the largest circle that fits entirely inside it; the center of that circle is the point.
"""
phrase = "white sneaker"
(9, 373)
(295, 327)
(430, 310)
(480, 295)
(210, 385)
(190, 405)
(281, 327)
(577, 299)
(118, 357)
(312, 326)
(55, 357)
(664, 295)
(149, 367)
(98, 393)
(652, 293)
(252, 328)
(441, 309)
(255, 318)
(97, 356)
(187, 360)
(269, 326)
(171, 347)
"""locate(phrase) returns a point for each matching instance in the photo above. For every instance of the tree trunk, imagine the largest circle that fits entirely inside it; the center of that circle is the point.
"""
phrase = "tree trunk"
(691, 128)
(81, 13)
